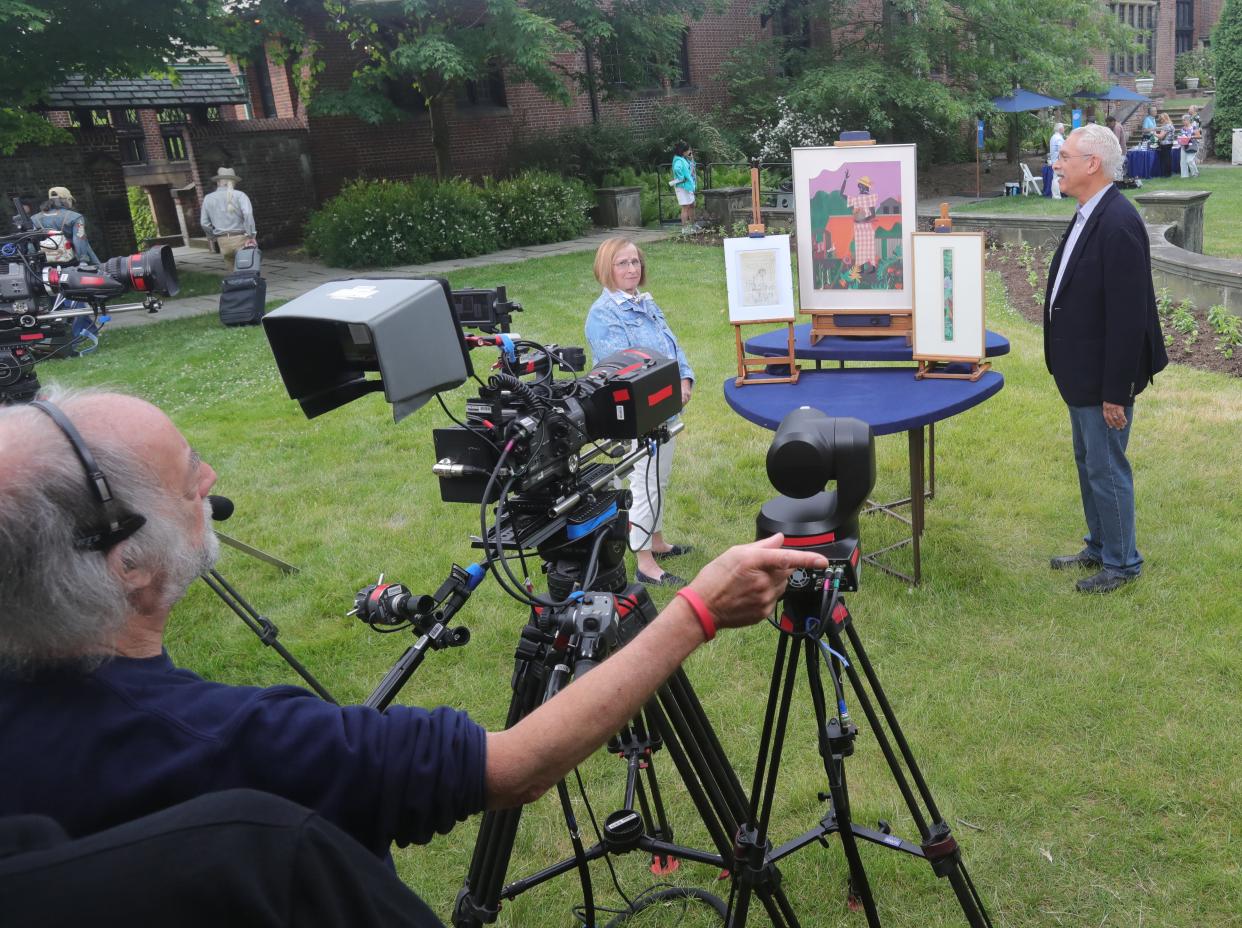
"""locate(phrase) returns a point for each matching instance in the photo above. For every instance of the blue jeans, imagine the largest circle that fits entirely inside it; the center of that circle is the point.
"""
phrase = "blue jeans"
(1107, 486)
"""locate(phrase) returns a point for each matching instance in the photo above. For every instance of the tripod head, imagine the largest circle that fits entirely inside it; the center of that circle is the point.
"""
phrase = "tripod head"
(811, 449)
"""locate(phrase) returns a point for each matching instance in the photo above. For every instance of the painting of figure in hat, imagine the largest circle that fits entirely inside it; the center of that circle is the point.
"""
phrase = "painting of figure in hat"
(855, 210)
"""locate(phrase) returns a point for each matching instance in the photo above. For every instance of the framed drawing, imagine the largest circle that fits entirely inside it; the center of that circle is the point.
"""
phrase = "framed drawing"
(855, 214)
(948, 296)
(759, 279)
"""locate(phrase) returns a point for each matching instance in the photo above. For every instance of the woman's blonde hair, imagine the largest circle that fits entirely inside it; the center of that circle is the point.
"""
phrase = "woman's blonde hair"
(607, 254)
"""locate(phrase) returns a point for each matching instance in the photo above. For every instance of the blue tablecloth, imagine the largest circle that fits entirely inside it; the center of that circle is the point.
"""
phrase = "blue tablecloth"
(1144, 162)
(888, 399)
(854, 348)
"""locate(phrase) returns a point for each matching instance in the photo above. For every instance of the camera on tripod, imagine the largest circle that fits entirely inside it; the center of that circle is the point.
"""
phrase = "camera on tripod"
(42, 292)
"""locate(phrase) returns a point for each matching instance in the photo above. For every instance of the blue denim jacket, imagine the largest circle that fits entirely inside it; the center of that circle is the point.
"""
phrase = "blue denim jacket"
(617, 321)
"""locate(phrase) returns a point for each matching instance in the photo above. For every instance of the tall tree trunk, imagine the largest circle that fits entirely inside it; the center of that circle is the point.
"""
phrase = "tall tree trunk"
(592, 95)
(441, 138)
(1011, 145)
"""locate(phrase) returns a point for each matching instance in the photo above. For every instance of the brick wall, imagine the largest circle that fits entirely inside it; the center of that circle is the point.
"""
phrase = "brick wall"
(272, 157)
(91, 169)
(344, 148)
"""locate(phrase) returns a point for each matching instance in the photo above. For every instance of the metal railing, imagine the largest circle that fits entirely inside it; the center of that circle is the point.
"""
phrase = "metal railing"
(779, 198)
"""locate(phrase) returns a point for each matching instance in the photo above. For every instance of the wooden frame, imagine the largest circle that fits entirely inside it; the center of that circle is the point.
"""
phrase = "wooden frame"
(828, 189)
(760, 286)
(949, 302)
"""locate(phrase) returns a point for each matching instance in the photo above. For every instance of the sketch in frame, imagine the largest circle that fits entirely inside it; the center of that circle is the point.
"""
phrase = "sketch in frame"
(948, 292)
(759, 278)
(856, 210)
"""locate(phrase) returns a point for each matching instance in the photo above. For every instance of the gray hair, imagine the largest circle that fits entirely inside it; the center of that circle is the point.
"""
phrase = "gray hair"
(1059, 127)
(1094, 139)
(63, 604)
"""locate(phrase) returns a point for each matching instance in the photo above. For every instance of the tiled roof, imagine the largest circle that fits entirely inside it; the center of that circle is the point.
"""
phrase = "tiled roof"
(200, 85)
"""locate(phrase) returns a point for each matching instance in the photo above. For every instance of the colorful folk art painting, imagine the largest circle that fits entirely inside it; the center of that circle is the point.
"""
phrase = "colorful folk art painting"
(856, 210)
(947, 257)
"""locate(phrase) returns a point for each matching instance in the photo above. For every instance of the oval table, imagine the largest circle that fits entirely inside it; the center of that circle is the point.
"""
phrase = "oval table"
(888, 399)
(852, 348)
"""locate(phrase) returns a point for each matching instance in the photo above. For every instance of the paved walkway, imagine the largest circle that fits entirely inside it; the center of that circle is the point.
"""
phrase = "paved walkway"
(288, 277)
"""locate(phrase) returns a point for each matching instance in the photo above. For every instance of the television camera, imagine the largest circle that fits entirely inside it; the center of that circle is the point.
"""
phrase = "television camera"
(43, 291)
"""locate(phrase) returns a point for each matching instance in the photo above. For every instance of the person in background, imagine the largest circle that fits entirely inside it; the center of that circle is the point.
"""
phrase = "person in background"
(684, 183)
(1166, 138)
(58, 215)
(1189, 139)
(1054, 150)
(1149, 123)
(622, 318)
(227, 216)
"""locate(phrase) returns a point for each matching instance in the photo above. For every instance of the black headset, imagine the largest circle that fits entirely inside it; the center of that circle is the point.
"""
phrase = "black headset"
(118, 523)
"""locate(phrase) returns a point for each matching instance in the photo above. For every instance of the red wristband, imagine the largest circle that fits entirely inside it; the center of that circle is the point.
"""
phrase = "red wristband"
(695, 602)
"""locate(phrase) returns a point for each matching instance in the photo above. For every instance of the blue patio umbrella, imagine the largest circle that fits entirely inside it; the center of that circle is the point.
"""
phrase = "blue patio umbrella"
(1021, 101)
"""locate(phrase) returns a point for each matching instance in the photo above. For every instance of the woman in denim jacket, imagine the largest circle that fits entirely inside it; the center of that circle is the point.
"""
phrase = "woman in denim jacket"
(622, 318)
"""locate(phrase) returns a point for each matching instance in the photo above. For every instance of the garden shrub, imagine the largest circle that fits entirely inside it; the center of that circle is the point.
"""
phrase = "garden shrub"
(140, 214)
(385, 223)
(1227, 50)
(537, 208)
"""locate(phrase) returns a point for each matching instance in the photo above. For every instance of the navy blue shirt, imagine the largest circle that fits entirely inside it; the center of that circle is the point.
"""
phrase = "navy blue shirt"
(94, 749)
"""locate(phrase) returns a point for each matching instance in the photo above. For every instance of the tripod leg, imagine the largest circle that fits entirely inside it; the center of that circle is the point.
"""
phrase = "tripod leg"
(835, 743)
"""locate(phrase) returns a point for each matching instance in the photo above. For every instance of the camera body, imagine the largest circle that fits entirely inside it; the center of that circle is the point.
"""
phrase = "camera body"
(39, 299)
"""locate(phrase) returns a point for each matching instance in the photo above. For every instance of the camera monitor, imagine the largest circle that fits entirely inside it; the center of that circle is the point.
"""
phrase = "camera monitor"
(326, 342)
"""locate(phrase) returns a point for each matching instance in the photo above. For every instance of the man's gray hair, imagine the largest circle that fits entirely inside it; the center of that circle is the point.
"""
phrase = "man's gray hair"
(62, 604)
(1059, 127)
(1094, 139)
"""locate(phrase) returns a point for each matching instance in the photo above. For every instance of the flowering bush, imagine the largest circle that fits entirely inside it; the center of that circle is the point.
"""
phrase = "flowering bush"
(791, 128)
(386, 223)
(537, 208)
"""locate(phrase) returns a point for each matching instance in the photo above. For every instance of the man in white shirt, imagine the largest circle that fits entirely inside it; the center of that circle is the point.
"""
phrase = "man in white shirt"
(1054, 152)
(227, 216)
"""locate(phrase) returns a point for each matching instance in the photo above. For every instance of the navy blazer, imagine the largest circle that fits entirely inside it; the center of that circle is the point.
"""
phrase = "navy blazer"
(1102, 339)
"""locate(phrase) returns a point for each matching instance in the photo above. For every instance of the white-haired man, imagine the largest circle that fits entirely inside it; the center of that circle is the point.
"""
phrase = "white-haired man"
(1054, 150)
(1102, 345)
(100, 727)
(227, 216)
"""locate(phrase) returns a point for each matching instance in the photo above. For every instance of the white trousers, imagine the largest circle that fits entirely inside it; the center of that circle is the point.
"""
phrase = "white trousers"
(649, 486)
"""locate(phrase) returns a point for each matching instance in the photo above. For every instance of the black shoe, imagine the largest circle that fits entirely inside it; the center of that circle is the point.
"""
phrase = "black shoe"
(674, 551)
(665, 579)
(1105, 581)
(1081, 559)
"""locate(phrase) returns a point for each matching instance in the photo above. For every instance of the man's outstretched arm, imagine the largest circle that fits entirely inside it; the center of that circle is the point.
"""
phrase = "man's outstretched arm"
(739, 588)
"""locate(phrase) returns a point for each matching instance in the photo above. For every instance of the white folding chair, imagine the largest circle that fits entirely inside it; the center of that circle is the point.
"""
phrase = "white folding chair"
(1031, 182)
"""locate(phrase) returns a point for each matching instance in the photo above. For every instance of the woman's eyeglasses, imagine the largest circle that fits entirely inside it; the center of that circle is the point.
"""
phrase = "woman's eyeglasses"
(627, 262)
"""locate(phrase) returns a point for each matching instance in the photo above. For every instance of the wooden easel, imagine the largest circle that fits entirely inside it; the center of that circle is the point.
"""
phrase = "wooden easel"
(744, 364)
(823, 322)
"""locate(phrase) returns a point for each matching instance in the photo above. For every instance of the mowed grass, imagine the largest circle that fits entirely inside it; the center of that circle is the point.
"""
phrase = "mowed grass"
(1084, 750)
(1222, 233)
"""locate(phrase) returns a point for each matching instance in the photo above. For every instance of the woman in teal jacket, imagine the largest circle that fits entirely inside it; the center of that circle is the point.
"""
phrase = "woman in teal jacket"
(683, 182)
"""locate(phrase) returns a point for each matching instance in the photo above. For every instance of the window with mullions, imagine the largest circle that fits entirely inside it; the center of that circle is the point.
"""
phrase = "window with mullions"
(133, 149)
(174, 146)
(648, 73)
(1142, 18)
(488, 91)
(172, 116)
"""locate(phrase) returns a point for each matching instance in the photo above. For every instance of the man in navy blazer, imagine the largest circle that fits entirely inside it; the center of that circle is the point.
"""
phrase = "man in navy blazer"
(1102, 345)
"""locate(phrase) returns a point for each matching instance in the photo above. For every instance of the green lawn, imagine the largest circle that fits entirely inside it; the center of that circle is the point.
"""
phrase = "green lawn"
(1222, 233)
(1092, 744)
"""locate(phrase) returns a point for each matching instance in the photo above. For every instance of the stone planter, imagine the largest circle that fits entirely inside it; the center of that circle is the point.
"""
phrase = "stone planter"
(1144, 85)
(1192, 83)
(618, 207)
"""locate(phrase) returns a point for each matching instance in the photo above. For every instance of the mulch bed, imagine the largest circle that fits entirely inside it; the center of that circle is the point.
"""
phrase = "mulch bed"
(1025, 273)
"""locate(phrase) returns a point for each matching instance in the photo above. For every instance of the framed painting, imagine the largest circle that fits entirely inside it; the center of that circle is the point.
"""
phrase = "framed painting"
(855, 210)
(948, 296)
(759, 278)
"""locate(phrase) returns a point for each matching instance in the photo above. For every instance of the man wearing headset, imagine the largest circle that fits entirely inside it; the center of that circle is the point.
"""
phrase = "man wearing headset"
(104, 523)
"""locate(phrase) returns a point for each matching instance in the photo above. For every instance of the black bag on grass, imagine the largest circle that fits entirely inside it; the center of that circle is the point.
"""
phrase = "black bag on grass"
(243, 293)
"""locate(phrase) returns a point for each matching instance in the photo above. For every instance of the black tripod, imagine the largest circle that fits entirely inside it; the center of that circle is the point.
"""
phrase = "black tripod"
(811, 612)
(674, 719)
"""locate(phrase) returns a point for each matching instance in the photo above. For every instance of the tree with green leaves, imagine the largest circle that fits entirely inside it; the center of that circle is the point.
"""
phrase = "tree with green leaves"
(919, 69)
(1227, 48)
(42, 42)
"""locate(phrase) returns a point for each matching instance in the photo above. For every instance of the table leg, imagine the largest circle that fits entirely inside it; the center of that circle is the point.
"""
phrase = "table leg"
(916, 497)
(931, 460)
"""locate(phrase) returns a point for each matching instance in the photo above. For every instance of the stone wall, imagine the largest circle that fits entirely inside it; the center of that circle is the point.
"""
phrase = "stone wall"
(273, 159)
(91, 168)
